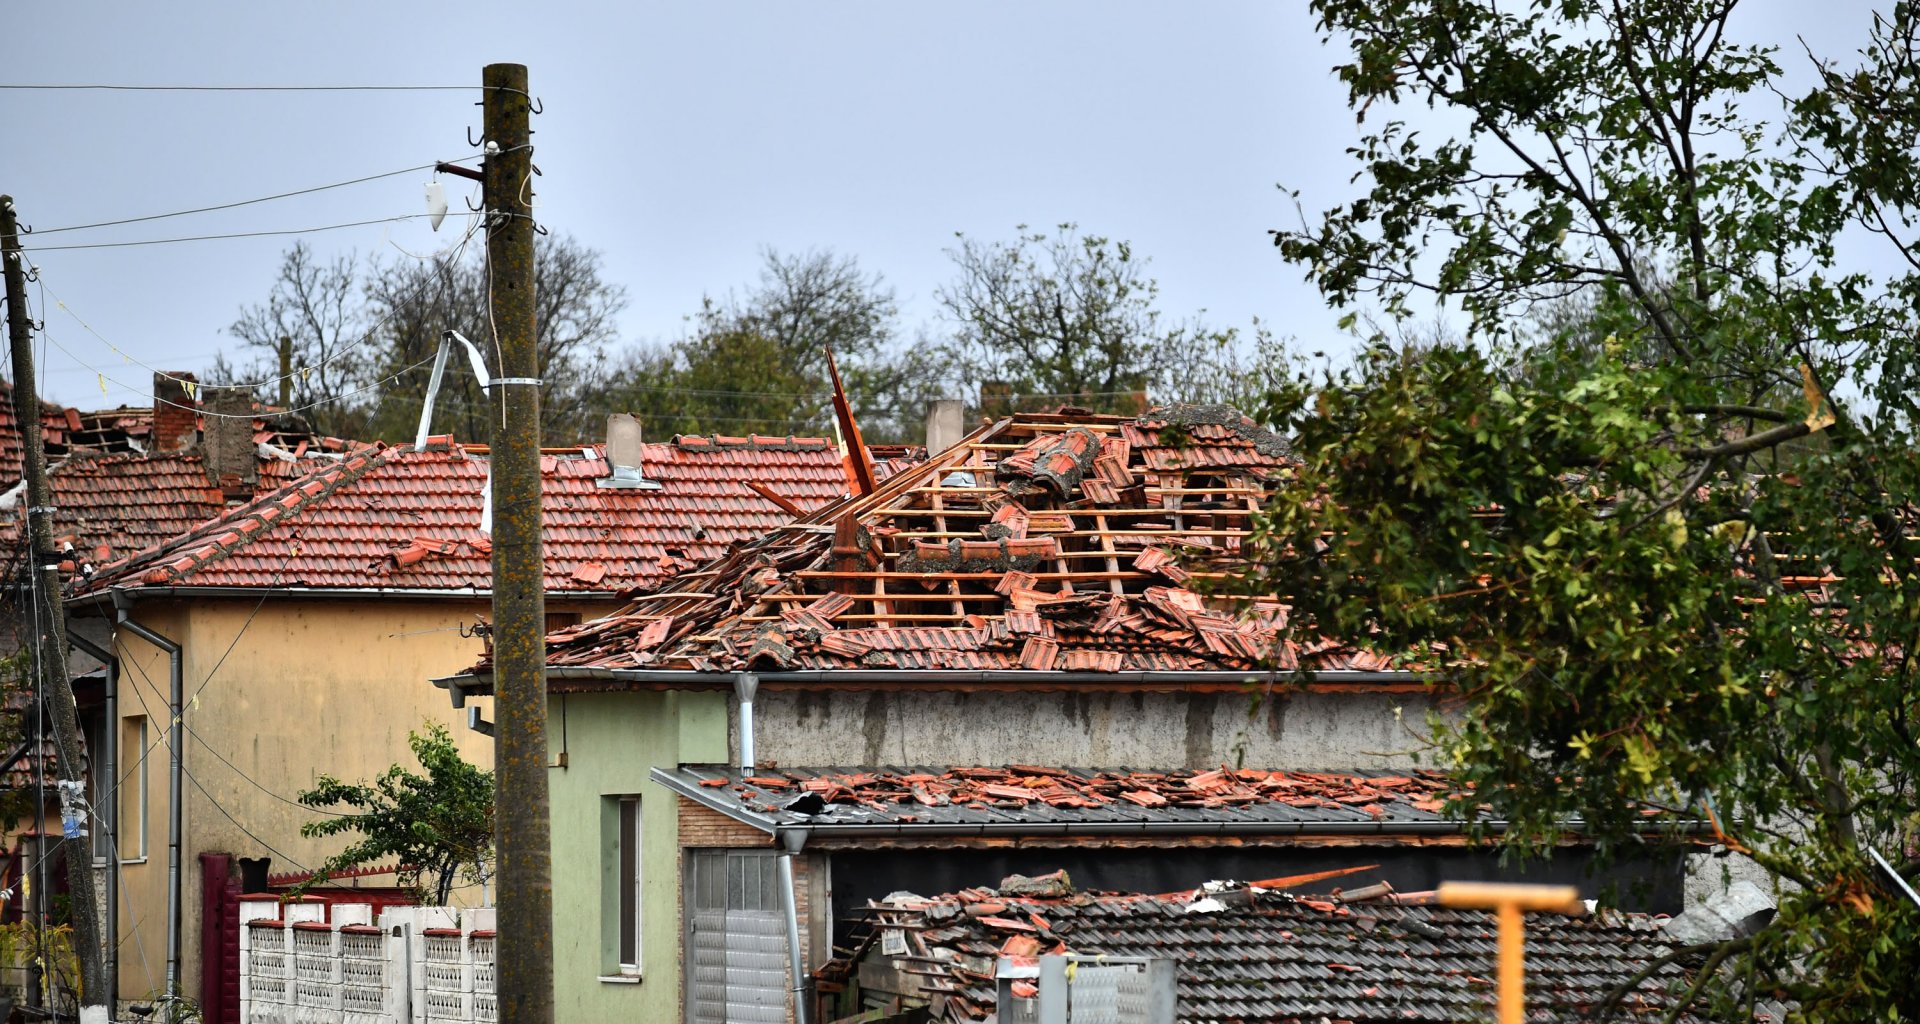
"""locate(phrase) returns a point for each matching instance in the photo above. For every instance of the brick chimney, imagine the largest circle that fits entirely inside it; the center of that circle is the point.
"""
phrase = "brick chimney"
(233, 462)
(175, 413)
(946, 424)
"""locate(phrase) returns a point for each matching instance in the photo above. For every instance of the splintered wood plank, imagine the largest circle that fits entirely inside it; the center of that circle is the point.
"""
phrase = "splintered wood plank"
(1113, 556)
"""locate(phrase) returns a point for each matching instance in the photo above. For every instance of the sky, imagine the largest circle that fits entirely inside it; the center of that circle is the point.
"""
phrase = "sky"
(680, 140)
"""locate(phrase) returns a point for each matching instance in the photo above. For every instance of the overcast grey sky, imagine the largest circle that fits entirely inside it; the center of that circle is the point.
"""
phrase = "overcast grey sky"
(680, 139)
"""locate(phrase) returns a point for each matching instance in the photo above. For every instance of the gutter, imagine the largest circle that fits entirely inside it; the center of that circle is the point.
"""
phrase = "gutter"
(119, 595)
(793, 841)
(176, 697)
(480, 684)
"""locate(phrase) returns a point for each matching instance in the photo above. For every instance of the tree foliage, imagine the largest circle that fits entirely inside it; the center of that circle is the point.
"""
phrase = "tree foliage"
(1071, 318)
(756, 363)
(1641, 604)
(364, 333)
(435, 825)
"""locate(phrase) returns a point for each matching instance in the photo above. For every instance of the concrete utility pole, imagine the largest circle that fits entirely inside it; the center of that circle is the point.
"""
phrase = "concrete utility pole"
(49, 619)
(519, 587)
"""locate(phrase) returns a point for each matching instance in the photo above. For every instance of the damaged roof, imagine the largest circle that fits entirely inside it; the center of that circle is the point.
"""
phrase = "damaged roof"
(830, 801)
(1061, 542)
(1248, 953)
(381, 518)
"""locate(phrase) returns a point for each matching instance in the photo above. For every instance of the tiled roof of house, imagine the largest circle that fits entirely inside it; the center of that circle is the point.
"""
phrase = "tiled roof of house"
(928, 798)
(393, 518)
(1044, 542)
(1249, 954)
(55, 423)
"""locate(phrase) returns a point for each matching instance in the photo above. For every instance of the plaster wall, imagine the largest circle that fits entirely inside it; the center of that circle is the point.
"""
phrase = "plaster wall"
(307, 687)
(1088, 729)
(611, 741)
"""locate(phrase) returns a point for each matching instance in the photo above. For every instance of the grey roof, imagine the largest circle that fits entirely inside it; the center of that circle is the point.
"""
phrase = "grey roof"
(1264, 956)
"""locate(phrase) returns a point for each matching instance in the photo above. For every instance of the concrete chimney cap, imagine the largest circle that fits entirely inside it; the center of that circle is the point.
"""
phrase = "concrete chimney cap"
(626, 453)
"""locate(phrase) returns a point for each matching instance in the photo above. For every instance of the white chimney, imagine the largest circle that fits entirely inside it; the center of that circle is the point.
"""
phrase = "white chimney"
(946, 424)
(625, 449)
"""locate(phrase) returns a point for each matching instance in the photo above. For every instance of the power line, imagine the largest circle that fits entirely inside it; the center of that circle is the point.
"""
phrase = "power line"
(245, 202)
(235, 234)
(455, 250)
(52, 87)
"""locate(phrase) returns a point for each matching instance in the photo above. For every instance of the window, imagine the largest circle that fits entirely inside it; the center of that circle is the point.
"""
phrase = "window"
(132, 788)
(625, 902)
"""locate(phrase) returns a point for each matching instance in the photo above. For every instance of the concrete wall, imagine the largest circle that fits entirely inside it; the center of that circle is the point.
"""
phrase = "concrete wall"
(611, 741)
(1139, 730)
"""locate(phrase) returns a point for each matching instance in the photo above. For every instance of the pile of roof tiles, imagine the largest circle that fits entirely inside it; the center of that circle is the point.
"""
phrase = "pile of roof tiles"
(1252, 954)
(1019, 786)
(1067, 543)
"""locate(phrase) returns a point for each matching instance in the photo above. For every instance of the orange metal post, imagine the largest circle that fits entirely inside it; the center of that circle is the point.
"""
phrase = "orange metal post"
(1509, 903)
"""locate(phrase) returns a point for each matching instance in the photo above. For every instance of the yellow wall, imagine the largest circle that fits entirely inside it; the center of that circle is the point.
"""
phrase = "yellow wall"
(312, 686)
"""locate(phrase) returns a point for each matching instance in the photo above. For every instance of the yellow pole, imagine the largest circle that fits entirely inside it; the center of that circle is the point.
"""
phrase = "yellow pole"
(1509, 902)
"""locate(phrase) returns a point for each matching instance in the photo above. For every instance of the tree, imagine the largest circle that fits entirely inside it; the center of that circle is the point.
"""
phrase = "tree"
(436, 825)
(757, 363)
(1639, 608)
(316, 305)
(1066, 319)
(364, 333)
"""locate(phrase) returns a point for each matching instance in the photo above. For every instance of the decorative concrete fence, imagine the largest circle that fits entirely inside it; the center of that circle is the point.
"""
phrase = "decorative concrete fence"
(314, 963)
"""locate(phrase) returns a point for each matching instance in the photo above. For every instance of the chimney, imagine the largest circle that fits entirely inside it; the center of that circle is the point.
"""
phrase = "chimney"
(176, 414)
(233, 461)
(624, 451)
(946, 424)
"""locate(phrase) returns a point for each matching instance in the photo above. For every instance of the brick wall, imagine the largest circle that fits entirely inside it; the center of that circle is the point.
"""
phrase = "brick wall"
(176, 425)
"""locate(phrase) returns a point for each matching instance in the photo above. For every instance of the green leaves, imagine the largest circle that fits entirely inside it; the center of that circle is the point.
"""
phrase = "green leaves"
(435, 825)
(1607, 520)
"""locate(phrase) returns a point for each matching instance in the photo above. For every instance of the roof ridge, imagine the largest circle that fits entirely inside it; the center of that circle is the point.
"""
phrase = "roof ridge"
(237, 527)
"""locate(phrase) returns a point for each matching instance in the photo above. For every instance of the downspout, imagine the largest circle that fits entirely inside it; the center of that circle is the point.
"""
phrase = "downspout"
(110, 795)
(792, 842)
(176, 697)
(745, 685)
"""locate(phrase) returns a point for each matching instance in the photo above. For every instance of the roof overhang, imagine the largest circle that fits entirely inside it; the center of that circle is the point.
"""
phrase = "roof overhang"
(795, 831)
(567, 679)
(106, 597)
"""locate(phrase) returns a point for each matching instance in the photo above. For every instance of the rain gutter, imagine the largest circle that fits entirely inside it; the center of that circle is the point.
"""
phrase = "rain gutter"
(176, 697)
(481, 683)
(119, 594)
(792, 841)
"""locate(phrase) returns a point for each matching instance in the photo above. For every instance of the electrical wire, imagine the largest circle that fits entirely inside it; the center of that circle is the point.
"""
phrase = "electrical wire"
(236, 234)
(52, 87)
(457, 249)
(237, 770)
(249, 202)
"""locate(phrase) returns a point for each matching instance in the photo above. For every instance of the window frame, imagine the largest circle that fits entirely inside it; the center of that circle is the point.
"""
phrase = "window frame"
(137, 726)
(625, 873)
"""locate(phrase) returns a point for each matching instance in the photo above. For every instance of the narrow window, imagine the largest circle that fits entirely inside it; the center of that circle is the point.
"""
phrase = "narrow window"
(132, 788)
(628, 878)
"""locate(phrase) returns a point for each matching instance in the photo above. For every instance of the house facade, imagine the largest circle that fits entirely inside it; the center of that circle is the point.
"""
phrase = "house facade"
(286, 636)
(1034, 599)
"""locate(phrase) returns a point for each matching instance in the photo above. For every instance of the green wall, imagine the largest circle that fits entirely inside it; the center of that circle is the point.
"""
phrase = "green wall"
(611, 741)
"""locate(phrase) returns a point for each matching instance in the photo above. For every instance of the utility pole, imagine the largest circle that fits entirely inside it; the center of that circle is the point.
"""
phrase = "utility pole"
(519, 582)
(50, 624)
(286, 373)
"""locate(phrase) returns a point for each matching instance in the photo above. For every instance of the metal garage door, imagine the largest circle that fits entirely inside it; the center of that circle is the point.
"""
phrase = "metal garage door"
(736, 939)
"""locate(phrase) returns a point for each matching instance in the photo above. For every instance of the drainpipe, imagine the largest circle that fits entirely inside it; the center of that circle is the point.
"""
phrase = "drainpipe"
(107, 788)
(176, 697)
(745, 685)
(794, 840)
